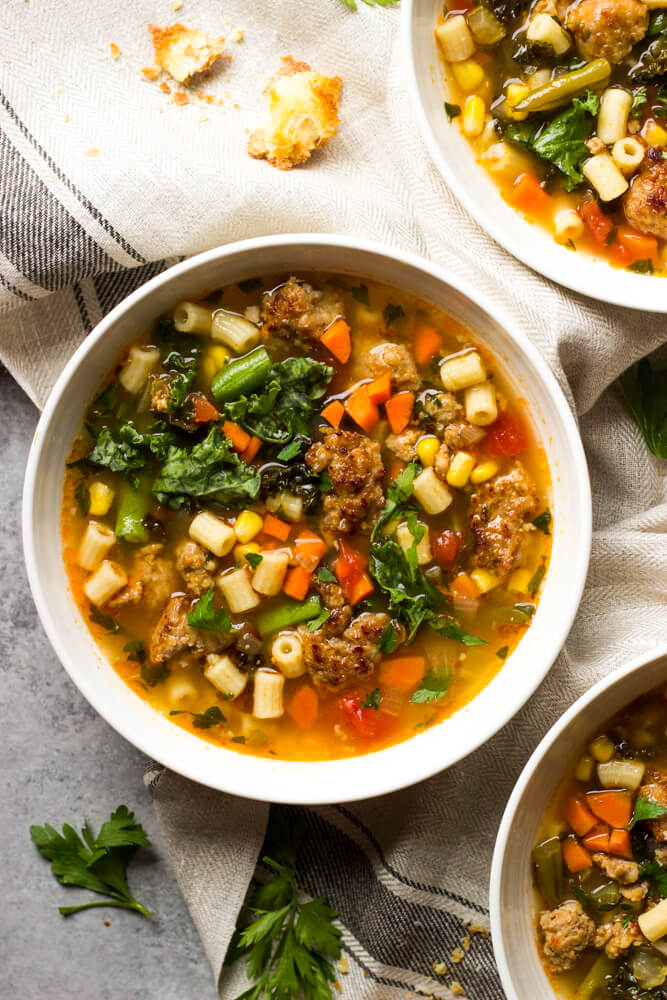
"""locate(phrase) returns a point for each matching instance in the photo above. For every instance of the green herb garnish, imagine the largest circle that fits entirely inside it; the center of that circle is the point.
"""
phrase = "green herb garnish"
(646, 809)
(644, 388)
(387, 641)
(452, 110)
(392, 313)
(325, 575)
(372, 699)
(204, 615)
(106, 622)
(432, 688)
(543, 521)
(360, 294)
(641, 266)
(253, 559)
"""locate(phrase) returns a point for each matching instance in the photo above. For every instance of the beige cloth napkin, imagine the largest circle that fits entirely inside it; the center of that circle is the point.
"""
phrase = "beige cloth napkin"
(104, 181)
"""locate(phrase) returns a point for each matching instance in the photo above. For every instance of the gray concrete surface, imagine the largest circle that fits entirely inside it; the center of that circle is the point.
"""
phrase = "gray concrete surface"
(61, 763)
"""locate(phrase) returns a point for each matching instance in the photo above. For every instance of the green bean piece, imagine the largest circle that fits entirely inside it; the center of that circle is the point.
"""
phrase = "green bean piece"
(596, 978)
(288, 614)
(132, 507)
(242, 376)
(549, 869)
(558, 92)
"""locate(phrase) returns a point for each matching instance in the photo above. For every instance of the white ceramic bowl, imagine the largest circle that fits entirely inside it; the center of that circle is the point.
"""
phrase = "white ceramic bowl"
(331, 781)
(475, 189)
(512, 899)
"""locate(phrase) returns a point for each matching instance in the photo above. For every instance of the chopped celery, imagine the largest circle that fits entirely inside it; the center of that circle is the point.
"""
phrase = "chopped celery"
(595, 980)
(549, 868)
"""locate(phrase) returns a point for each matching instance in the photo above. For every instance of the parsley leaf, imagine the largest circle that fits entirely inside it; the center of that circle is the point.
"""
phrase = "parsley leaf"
(372, 699)
(432, 688)
(639, 99)
(253, 559)
(644, 388)
(106, 622)
(325, 483)
(502, 652)
(360, 294)
(646, 809)
(641, 266)
(316, 623)
(543, 521)
(250, 285)
(654, 871)
(204, 615)
(398, 493)
(452, 110)
(82, 496)
(97, 864)
(451, 630)
(387, 641)
(290, 450)
(536, 580)
(392, 313)
(135, 651)
(325, 575)
(211, 717)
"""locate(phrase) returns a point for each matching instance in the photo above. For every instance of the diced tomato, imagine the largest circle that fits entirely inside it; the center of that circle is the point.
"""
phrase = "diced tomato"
(349, 569)
(446, 547)
(506, 436)
(598, 224)
(363, 720)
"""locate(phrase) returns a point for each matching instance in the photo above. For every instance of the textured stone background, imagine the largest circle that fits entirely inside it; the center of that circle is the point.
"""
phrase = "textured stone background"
(61, 763)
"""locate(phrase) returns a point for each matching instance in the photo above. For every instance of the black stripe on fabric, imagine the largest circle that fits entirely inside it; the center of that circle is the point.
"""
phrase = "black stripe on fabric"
(83, 312)
(16, 291)
(112, 287)
(37, 234)
(424, 886)
(382, 980)
(394, 931)
(87, 204)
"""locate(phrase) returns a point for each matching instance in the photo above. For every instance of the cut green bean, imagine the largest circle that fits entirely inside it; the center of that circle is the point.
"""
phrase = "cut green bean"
(559, 91)
(595, 980)
(132, 507)
(287, 615)
(242, 376)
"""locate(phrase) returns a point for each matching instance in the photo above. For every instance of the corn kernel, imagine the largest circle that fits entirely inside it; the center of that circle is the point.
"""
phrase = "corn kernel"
(213, 361)
(654, 134)
(247, 525)
(101, 498)
(468, 74)
(483, 580)
(484, 471)
(515, 93)
(472, 121)
(519, 581)
(241, 551)
(584, 769)
(427, 449)
(602, 749)
(460, 468)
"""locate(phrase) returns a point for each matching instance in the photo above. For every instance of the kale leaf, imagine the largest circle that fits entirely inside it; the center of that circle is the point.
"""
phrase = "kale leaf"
(121, 450)
(652, 63)
(210, 470)
(644, 389)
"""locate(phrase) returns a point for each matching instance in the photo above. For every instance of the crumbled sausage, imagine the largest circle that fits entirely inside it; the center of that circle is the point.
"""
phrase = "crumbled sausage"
(441, 463)
(438, 409)
(130, 595)
(404, 445)
(157, 574)
(173, 633)
(197, 567)
(656, 790)
(607, 29)
(616, 938)
(645, 203)
(299, 314)
(498, 512)
(160, 389)
(355, 468)
(625, 872)
(567, 933)
(395, 359)
(335, 662)
(463, 435)
(635, 893)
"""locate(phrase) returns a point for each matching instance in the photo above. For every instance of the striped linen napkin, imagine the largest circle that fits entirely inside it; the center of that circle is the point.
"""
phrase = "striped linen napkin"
(106, 179)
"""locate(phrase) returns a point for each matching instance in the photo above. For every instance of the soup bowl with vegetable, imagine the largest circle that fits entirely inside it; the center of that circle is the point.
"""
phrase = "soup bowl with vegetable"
(549, 122)
(579, 878)
(304, 521)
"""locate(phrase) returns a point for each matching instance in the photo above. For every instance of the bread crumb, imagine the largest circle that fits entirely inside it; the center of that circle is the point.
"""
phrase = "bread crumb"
(237, 35)
(176, 4)
(114, 50)
(184, 52)
(457, 989)
(440, 968)
(342, 963)
(66, 118)
(181, 98)
(94, 151)
(457, 956)
(466, 943)
(303, 114)
(478, 929)
(151, 72)
(165, 88)
(203, 119)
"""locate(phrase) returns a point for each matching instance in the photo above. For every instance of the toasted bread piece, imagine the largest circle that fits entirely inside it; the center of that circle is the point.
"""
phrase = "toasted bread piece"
(184, 52)
(303, 115)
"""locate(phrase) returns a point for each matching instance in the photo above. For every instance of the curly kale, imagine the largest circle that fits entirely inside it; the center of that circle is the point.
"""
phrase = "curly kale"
(622, 985)
(652, 64)
(506, 10)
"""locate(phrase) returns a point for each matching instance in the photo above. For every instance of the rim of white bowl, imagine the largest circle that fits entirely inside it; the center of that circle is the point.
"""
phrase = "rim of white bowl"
(579, 272)
(515, 799)
(266, 779)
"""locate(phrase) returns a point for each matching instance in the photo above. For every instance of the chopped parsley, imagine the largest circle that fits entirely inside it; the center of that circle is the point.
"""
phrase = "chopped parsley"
(250, 285)
(316, 623)
(432, 688)
(536, 580)
(644, 389)
(387, 642)
(253, 559)
(360, 294)
(104, 621)
(502, 652)
(82, 496)
(654, 871)
(543, 521)
(452, 110)
(372, 699)
(392, 313)
(325, 483)
(646, 809)
(641, 266)
(325, 575)
(205, 616)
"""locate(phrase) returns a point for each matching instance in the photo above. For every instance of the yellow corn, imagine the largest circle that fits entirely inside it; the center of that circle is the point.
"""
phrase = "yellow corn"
(602, 749)
(519, 580)
(427, 449)
(460, 468)
(468, 74)
(654, 134)
(483, 580)
(484, 471)
(515, 93)
(101, 498)
(584, 769)
(472, 121)
(213, 361)
(241, 551)
(247, 525)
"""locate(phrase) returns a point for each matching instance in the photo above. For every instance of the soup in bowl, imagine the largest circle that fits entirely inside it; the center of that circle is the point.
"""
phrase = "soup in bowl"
(307, 516)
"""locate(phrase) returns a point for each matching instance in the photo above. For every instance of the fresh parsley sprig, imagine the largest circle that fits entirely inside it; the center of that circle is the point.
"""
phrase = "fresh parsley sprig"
(205, 616)
(654, 871)
(432, 688)
(646, 809)
(98, 864)
(644, 390)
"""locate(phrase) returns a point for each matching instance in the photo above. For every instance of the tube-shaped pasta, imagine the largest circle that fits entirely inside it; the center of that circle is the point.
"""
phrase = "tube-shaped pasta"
(613, 115)
(461, 370)
(237, 591)
(605, 176)
(179, 689)
(95, 545)
(545, 30)
(189, 317)
(480, 404)
(287, 654)
(270, 573)
(628, 154)
(139, 364)
(235, 332)
(405, 539)
(104, 583)
(431, 492)
(268, 694)
(653, 923)
(215, 535)
(455, 39)
(504, 160)
(224, 675)
(568, 226)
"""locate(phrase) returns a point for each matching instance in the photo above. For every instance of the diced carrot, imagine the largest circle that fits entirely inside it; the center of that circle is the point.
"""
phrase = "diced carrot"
(617, 254)
(239, 438)
(362, 588)
(614, 807)
(620, 843)
(399, 410)
(638, 246)
(403, 672)
(251, 449)
(464, 586)
(575, 856)
(349, 569)
(598, 224)
(379, 391)
(204, 411)
(333, 413)
(297, 583)
(396, 467)
(309, 549)
(276, 528)
(579, 816)
(362, 410)
(598, 839)
(427, 343)
(304, 707)
(528, 196)
(336, 339)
